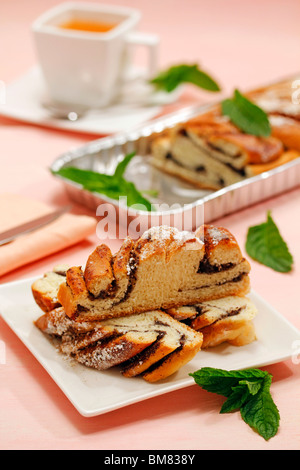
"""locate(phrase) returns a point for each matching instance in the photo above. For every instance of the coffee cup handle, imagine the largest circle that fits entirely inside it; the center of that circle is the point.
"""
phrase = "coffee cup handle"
(148, 40)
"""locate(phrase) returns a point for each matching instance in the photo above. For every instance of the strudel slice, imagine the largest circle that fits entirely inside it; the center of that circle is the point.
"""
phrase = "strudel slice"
(164, 268)
(228, 319)
(209, 151)
(45, 289)
(152, 345)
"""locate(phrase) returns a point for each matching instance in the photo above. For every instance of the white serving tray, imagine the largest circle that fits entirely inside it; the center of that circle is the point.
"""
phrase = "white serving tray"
(178, 203)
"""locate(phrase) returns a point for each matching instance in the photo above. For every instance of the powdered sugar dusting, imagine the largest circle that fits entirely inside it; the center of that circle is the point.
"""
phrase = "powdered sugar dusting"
(216, 235)
(162, 232)
(185, 236)
(164, 235)
(102, 358)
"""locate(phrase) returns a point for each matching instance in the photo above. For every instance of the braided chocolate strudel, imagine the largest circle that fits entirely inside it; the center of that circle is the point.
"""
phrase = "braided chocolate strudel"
(164, 268)
(210, 152)
(196, 282)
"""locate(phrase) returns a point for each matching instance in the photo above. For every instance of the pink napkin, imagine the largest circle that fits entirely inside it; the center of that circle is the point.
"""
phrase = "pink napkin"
(65, 231)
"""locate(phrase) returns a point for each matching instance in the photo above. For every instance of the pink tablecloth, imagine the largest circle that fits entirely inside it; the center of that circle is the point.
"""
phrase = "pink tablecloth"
(243, 44)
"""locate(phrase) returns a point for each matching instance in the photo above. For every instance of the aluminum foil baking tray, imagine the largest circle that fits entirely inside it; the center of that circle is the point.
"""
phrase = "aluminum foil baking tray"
(177, 203)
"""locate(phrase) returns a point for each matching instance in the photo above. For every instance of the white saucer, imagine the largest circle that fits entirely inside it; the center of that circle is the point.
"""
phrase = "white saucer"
(138, 103)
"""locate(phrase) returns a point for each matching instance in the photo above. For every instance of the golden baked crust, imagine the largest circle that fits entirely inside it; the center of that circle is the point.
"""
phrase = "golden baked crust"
(45, 290)
(76, 282)
(155, 354)
(219, 242)
(45, 303)
(98, 273)
(286, 157)
(73, 290)
(232, 332)
(214, 128)
(172, 363)
(121, 260)
(288, 131)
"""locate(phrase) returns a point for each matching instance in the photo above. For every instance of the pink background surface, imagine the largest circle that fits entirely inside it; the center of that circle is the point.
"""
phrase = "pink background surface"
(243, 44)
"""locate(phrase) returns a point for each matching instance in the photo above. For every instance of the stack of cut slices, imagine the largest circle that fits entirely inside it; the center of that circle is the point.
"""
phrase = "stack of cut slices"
(153, 305)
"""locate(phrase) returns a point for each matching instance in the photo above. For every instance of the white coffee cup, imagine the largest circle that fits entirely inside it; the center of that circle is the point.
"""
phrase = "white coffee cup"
(87, 68)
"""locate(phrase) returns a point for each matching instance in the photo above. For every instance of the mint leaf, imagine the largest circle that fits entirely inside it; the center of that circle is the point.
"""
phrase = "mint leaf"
(134, 197)
(246, 115)
(261, 413)
(171, 78)
(241, 393)
(265, 244)
(221, 381)
(236, 399)
(246, 390)
(83, 176)
(253, 386)
(113, 186)
(122, 165)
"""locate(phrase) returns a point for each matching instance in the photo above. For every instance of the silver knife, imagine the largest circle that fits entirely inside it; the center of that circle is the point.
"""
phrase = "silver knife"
(10, 235)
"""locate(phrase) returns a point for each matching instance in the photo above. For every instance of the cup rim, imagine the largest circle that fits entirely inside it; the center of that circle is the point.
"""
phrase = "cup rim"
(40, 24)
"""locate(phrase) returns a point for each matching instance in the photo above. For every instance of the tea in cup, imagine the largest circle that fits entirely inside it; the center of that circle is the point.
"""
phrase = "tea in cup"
(85, 51)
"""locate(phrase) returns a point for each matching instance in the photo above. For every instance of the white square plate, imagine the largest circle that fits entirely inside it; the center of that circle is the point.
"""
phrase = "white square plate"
(93, 393)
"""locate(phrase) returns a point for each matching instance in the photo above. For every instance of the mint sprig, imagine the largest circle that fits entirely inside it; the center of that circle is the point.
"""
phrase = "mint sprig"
(168, 80)
(246, 390)
(265, 244)
(246, 115)
(114, 186)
